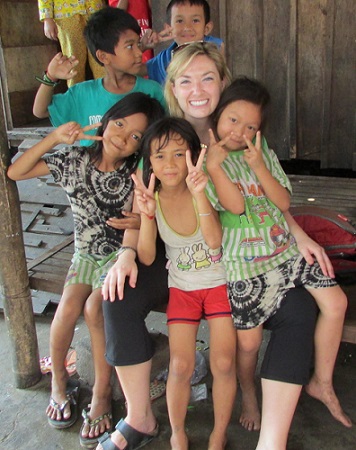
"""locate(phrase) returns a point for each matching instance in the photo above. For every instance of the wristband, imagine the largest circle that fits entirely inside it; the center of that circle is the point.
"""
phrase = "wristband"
(124, 248)
(148, 217)
(46, 80)
(204, 214)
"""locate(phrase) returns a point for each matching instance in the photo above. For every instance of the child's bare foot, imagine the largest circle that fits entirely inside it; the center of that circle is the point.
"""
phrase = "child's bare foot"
(59, 396)
(217, 442)
(179, 441)
(250, 417)
(326, 394)
(97, 418)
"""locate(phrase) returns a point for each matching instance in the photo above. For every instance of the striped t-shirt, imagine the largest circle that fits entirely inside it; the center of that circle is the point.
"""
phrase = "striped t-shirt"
(258, 240)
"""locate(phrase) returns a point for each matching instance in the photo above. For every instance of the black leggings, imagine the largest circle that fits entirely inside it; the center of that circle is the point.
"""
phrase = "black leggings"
(128, 341)
(289, 354)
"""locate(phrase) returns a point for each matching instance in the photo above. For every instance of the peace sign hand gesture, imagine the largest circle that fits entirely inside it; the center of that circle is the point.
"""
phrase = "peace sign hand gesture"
(70, 132)
(196, 179)
(145, 195)
(217, 153)
(253, 153)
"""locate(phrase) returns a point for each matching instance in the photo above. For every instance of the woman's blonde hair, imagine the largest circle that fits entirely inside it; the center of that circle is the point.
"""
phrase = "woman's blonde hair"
(181, 60)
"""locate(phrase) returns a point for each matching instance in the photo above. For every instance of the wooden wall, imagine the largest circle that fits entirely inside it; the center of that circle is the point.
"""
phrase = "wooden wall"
(304, 51)
(24, 53)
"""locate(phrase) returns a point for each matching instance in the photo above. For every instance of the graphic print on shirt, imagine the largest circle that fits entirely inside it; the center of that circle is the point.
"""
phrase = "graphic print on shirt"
(198, 257)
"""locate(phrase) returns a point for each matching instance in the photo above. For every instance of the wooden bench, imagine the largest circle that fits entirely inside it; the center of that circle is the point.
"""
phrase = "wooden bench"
(48, 264)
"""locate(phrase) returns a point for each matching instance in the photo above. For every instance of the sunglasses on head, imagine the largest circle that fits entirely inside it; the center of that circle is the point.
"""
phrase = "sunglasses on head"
(180, 47)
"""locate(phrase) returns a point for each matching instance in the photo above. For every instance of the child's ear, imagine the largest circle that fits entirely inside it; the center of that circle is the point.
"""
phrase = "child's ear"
(208, 28)
(102, 56)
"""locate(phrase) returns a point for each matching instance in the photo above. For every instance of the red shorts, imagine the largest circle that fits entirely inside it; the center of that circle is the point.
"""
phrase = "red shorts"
(192, 306)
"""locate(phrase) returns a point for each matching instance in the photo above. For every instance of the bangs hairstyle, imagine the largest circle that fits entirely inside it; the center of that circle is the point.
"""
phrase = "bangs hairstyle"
(133, 103)
(203, 3)
(163, 131)
(243, 88)
(181, 61)
(104, 28)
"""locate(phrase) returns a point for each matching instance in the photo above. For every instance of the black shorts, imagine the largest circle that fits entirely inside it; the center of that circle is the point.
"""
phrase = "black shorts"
(128, 341)
(290, 351)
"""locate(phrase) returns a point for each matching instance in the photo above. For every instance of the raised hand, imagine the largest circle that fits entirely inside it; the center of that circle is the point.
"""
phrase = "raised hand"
(70, 132)
(217, 153)
(196, 179)
(151, 38)
(145, 196)
(62, 67)
(253, 153)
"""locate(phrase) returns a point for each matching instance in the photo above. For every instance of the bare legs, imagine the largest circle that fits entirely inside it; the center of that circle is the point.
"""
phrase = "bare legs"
(61, 335)
(248, 344)
(135, 383)
(332, 303)
(278, 407)
(182, 361)
(101, 401)
(222, 361)
(222, 365)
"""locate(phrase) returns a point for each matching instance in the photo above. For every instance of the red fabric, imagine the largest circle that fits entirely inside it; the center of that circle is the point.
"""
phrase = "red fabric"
(141, 11)
(329, 235)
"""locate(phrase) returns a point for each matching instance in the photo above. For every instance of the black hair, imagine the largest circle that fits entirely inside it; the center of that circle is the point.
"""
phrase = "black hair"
(202, 3)
(104, 28)
(242, 88)
(163, 131)
(136, 102)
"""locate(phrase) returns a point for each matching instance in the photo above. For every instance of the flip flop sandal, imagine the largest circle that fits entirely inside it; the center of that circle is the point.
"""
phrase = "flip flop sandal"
(157, 389)
(134, 438)
(88, 442)
(72, 393)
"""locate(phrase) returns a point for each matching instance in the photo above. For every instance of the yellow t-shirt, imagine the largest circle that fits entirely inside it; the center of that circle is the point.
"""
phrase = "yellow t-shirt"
(56, 9)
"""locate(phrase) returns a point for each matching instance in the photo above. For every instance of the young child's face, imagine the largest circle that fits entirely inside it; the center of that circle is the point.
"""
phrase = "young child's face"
(240, 118)
(128, 55)
(188, 23)
(122, 137)
(169, 163)
(198, 88)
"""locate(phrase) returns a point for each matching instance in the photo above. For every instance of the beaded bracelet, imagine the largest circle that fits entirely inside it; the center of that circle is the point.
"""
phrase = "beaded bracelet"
(123, 248)
(46, 80)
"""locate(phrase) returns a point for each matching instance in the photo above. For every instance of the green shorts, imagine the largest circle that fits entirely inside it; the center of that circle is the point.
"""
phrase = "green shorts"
(89, 269)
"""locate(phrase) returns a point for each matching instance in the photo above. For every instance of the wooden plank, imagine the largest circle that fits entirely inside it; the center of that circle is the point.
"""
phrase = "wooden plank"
(28, 143)
(51, 252)
(47, 282)
(33, 241)
(52, 266)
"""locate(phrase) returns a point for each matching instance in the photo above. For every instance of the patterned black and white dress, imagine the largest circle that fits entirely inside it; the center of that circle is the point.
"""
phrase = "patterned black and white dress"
(94, 197)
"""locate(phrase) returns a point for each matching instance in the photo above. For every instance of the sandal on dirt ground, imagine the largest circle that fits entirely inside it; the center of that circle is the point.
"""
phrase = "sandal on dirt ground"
(134, 438)
(72, 393)
(89, 442)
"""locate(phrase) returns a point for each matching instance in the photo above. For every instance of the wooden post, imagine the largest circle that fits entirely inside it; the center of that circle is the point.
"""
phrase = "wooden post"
(14, 282)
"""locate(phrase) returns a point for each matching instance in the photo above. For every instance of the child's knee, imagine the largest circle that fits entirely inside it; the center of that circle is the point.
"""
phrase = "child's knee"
(223, 365)
(334, 305)
(248, 345)
(181, 368)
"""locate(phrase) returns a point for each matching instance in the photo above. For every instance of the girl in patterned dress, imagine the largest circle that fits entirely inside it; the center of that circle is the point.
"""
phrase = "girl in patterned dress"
(97, 181)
